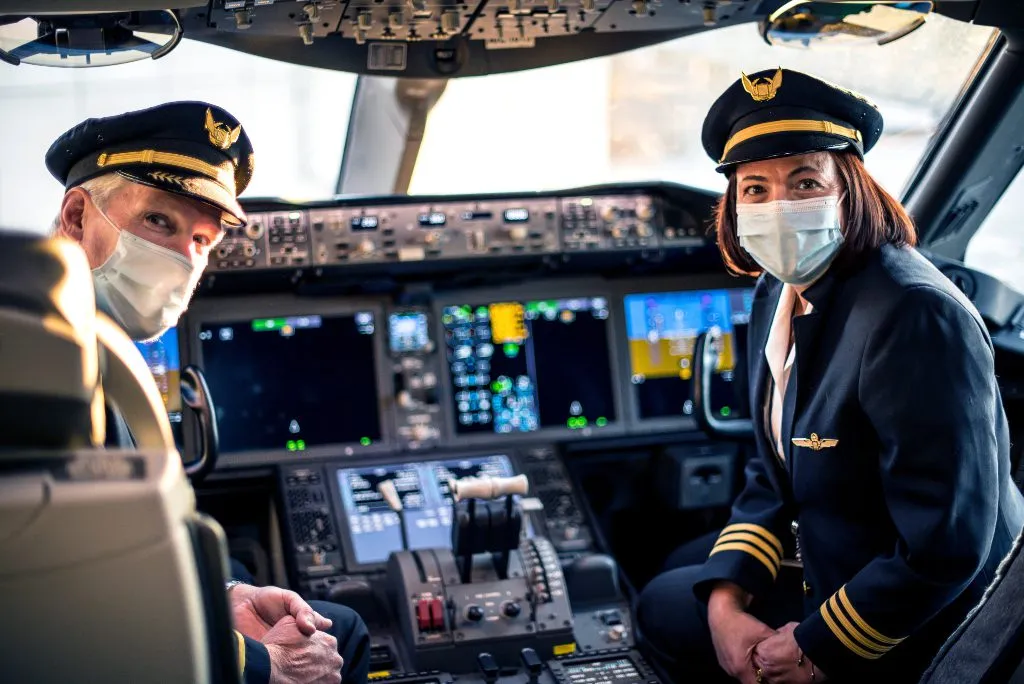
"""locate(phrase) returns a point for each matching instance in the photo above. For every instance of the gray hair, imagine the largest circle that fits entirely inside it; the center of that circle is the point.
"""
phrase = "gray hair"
(101, 189)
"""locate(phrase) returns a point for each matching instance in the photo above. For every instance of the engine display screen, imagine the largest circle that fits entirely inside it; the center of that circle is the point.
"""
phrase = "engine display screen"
(164, 362)
(374, 528)
(663, 327)
(519, 366)
(293, 382)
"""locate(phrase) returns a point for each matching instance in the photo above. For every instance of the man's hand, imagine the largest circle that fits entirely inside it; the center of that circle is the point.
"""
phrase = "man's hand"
(735, 632)
(781, 660)
(296, 658)
(257, 609)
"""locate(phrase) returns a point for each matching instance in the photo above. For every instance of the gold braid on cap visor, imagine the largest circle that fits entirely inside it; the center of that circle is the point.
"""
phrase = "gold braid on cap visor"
(788, 126)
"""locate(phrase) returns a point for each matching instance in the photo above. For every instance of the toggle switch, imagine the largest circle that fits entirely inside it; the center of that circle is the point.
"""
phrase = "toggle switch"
(532, 663)
(489, 667)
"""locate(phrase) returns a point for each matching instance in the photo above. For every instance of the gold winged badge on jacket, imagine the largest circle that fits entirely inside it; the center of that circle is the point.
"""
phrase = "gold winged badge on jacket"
(815, 443)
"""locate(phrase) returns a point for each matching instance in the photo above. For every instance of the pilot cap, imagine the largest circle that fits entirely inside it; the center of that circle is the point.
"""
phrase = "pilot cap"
(780, 112)
(192, 149)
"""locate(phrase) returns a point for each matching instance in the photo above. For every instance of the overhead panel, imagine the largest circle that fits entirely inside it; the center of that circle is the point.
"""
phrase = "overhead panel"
(669, 15)
(413, 21)
(305, 20)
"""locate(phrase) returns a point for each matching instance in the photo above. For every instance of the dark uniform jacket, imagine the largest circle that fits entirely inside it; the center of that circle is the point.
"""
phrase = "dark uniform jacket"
(904, 519)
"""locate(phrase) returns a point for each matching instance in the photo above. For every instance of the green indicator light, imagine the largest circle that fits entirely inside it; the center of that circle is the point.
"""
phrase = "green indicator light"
(602, 421)
(365, 441)
(481, 311)
(268, 324)
(725, 411)
(291, 445)
(511, 350)
(300, 445)
(577, 423)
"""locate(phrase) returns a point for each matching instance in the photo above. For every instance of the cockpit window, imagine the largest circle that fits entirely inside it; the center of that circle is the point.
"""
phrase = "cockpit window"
(998, 246)
(638, 115)
(295, 116)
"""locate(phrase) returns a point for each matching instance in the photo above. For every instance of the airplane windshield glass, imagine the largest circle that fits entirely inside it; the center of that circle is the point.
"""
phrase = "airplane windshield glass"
(283, 106)
(637, 116)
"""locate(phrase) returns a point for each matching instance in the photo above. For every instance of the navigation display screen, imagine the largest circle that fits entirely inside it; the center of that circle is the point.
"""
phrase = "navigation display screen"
(663, 327)
(164, 363)
(426, 499)
(519, 366)
(293, 382)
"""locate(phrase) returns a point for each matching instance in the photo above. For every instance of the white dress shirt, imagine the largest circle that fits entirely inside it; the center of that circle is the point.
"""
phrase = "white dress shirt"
(780, 352)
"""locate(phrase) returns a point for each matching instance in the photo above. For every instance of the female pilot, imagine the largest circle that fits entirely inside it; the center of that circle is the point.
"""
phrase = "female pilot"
(882, 481)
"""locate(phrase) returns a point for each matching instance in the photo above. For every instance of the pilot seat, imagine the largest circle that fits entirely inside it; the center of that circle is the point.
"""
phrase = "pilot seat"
(107, 571)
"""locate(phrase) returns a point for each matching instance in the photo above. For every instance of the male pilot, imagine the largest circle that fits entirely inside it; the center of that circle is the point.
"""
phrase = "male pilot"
(148, 195)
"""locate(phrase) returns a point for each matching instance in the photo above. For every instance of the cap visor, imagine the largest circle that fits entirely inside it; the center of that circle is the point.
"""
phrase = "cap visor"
(784, 145)
(198, 188)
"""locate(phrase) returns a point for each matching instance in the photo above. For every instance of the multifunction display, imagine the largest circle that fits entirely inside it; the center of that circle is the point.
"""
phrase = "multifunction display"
(662, 328)
(292, 382)
(164, 362)
(520, 366)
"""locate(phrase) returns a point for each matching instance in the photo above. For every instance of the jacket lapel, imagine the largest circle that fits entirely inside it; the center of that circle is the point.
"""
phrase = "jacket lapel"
(806, 331)
(763, 311)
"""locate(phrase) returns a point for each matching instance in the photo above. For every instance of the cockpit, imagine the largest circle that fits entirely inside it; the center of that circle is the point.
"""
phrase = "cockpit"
(474, 367)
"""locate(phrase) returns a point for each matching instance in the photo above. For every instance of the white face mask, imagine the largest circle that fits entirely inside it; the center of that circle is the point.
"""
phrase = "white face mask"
(794, 240)
(146, 287)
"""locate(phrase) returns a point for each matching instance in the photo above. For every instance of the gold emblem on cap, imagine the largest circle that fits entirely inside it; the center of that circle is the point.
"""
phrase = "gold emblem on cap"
(762, 89)
(220, 135)
(815, 443)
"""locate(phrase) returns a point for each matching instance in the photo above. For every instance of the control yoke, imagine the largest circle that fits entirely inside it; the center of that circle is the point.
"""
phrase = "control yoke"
(705, 361)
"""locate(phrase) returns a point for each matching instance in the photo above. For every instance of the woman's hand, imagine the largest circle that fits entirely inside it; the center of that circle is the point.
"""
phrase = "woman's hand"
(781, 661)
(735, 632)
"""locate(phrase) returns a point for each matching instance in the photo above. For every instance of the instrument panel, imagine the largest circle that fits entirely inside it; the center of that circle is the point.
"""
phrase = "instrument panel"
(428, 364)
(555, 361)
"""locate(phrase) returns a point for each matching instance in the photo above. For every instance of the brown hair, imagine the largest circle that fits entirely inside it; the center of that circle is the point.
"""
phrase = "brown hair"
(871, 218)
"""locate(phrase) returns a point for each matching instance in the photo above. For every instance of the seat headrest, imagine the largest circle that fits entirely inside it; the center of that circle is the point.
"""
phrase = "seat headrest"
(50, 395)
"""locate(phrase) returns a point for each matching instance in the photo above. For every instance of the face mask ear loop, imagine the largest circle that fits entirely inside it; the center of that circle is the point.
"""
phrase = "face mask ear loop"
(95, 204)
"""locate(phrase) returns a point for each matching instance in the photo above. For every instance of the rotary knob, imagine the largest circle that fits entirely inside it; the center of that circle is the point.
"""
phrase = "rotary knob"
(511, 609)
(474, 613)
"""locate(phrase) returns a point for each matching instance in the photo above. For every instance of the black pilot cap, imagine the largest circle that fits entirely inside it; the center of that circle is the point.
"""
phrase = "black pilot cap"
(780, 112)
(189, 148)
